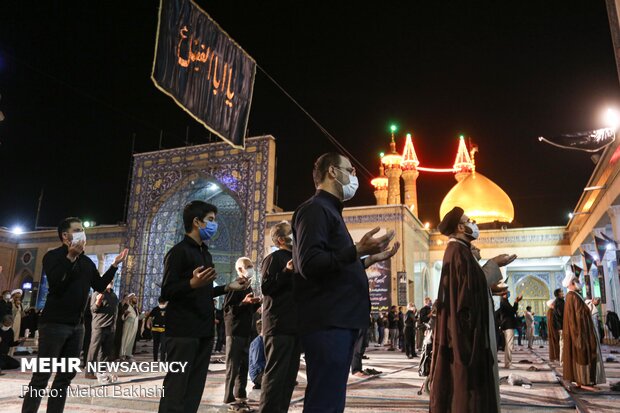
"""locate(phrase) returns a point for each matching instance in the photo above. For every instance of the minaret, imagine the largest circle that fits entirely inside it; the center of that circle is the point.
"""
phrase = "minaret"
(381, 187)
(463, 164)
(409, 167)
(391, 162)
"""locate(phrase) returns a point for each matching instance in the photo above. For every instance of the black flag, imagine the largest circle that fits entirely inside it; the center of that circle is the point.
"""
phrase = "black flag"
(588, 141)
(589, 260)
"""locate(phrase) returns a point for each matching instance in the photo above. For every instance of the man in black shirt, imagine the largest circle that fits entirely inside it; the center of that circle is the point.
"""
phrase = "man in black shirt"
(423, 318)
(188, 287)
(332, 287)
(239, 308)
(282, 348)
(103, 308)
(508, 323)
(157, 323)
(393, 327)
(70, 276)
(558, 316)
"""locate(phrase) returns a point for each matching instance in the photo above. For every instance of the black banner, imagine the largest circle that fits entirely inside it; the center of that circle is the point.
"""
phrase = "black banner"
(402, 288)
(601, 283)
(589, 260)
(206, 73)
(380, 281)
(588, 141)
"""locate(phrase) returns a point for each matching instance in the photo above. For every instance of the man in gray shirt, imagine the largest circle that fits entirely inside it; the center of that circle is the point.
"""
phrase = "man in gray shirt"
(104, 308)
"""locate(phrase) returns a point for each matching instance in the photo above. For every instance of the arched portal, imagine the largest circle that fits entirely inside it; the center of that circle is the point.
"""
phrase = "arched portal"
(166, 229)
(535, 294)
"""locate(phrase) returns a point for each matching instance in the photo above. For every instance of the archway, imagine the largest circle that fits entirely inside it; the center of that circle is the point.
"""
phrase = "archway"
(535, 294)
(166, 229)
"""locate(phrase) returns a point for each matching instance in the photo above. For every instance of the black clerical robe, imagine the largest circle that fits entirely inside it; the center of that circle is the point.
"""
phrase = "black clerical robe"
(462, 366)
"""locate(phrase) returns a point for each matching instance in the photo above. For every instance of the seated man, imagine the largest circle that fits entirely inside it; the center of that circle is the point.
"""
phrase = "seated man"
(257, 357)
(7, 340)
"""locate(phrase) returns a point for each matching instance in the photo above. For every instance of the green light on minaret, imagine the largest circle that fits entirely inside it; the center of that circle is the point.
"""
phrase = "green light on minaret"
(381, 154)
(409, 135)
(462, 137)
(393, 128)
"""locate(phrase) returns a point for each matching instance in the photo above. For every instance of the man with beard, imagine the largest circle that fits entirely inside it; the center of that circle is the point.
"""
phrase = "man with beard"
(558, 318)
(462, 365)
(583, 363)
(493, 276)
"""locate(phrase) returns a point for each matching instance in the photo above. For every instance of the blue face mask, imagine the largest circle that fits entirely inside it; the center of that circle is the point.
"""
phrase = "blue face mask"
(209, 231)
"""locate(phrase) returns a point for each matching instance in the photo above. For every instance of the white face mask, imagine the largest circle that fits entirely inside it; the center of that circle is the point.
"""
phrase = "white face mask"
(5, 328)
(475, 232)
(249, 273)
(348, 190)
(162, 306)
(78, 236)
(7, 297)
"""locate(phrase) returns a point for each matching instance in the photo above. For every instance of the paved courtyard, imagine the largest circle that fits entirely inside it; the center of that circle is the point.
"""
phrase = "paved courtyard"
(396, 390)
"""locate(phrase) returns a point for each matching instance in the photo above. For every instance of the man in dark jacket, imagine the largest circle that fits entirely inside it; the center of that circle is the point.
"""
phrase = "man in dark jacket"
(508, 322)
(70, 275)
(332, 287)
(558, 316)
(103, 308)
(279, 324)
(410, 321)
(393, 327)
(156, 321)
(239, 308)
(424, 317)
(188, 287)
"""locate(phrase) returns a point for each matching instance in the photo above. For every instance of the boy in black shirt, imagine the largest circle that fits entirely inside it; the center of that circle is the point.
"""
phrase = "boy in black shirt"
(188, 287)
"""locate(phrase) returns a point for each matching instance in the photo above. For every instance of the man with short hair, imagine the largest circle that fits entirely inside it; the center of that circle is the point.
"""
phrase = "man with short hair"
(188, 287)
(239, 307)
(156, 321)
(332, 287)
(70, 276)
(280, 330)
(558, 318)
(508, 322)
(423, 318)
(393, 327)
(103, 307)
(583, 362)
(529, 326)
(463, 377)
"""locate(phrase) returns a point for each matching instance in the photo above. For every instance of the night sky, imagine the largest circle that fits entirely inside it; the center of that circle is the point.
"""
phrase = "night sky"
(75, 85)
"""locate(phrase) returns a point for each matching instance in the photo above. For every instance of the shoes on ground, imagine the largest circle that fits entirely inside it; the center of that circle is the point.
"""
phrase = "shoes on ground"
(241, 407)
(365, 357)
(361, 374)
(372, 372)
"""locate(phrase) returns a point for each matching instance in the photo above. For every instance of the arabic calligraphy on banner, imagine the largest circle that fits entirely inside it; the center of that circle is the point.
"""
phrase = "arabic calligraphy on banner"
(206, 73)
(380, 281)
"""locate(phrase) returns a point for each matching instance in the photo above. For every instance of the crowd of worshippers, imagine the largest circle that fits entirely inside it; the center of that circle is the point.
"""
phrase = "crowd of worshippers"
(315, 297)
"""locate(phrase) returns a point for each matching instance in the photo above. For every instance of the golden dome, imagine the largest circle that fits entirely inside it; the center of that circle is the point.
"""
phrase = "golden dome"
(481, 199)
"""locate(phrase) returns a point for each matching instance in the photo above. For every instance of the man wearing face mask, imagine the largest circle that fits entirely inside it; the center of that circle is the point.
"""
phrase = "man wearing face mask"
(282, 348)
(6, 307)
(493, 276)
(188, 287)
(463, 379)
(583, 363)
(331, 287)
(239, 307)
(70, 275)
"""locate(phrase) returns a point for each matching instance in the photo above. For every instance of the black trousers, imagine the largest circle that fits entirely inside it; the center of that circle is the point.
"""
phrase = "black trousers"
(282, 354)
(8, 362)
(101, 344)
(410, 341)
(237, 350)
(328, 359)
(183, 390)
(55, 341)
(358, 351)
(159, 342)
(221, 336)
